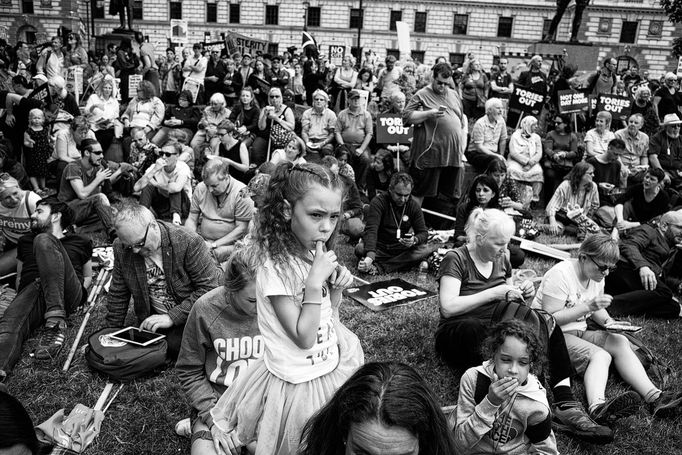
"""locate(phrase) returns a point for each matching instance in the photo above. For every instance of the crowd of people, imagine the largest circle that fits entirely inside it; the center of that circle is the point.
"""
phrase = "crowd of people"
(224, 183)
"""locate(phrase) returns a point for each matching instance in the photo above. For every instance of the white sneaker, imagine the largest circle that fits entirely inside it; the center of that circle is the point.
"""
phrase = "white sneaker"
(184, 428)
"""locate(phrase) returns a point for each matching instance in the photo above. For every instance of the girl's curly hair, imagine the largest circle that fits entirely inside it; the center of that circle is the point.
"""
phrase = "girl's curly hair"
(289, 184)
(517, 329)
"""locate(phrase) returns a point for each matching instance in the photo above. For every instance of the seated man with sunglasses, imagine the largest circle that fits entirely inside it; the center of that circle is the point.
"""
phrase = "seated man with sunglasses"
(164, 268)
(54, 268)
(641, 282)
(166, 187)
(82, 183)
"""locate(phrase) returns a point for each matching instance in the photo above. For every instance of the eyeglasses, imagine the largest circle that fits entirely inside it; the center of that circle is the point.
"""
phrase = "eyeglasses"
(167, 154)
(274, 96)
(139, 245)
(602, 268)
(97, 152)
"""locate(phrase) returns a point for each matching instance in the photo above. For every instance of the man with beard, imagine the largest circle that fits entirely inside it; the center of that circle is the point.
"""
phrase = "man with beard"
(164, 268)
(16, 207)
(81, 186)
(665, 150)
(534, 79)
(395, 234)
(638, 284)
(488, 138)
(54, 269)
(604, 80)
(221, 209)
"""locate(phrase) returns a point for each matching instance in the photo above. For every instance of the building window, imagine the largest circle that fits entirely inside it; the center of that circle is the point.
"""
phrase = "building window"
(456, 60)
(271, 14)
(356, 17)
(176, 10)
(30, 37)
(418, 56)
(460, 25)
(420, 22)
(314, 16)
(504, 27)
(545, 29)
(234, 13)
(395, 17)
(98, 9)
(27, 6)
(628, 34)
(393, 52)
(137, 10)
(273, 48)
(211, 12)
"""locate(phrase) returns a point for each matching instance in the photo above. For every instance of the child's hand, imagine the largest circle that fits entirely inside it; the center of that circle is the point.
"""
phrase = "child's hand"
(501, 389)
(341, 278)
(225, 443)
(527, 288)
(323, 265)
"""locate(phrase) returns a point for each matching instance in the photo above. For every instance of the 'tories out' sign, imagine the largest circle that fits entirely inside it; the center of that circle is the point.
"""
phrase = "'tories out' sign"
(525, 100)
(618, 106)
(383, 295)
(390, 130)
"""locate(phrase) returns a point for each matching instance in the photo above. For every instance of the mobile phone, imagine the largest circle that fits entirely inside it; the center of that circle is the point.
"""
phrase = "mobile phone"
(408, 235)
(134, 335)
(442, 108)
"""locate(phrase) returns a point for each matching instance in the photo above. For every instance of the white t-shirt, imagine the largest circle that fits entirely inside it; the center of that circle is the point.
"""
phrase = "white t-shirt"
(282, 357)
(162, 179)
(561, 282)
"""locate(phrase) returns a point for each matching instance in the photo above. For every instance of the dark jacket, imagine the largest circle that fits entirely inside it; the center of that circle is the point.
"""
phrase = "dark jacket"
(645, 246)
(381, 228)
(189, 269)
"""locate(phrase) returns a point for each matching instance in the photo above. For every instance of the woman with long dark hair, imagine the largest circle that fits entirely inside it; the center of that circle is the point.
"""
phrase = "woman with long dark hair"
(382, 401)
(576, 191)
(561, 152)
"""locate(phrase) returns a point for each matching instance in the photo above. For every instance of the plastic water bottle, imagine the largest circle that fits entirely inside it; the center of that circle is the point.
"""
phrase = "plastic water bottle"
(422, 275)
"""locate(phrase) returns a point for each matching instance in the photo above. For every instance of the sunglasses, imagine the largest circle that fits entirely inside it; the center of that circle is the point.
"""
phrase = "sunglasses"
(139, 245)
(167, 154)
(96, 152)
(602, 268)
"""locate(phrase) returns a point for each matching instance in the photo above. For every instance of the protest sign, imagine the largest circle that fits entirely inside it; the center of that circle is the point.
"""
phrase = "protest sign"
(382, 295)
(572, 101)
(133, 81)
(525, 100)
(74, 81)
(390, 130)
(618, 106)
(218, 46)
(679, 68)
(193, 86)
(403, 29)
(236, 42)
(179, 30)
(42, 93)
(336, 53)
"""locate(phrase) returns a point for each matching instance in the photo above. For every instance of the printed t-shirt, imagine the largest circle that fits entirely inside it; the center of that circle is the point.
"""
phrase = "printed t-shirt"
(561, 282)
(16, 221)
(282, 357)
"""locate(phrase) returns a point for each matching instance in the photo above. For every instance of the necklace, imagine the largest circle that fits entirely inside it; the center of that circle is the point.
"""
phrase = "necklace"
(395, 220)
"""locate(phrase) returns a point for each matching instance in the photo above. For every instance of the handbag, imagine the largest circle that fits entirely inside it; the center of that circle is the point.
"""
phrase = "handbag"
(123, 361)
(280, 136)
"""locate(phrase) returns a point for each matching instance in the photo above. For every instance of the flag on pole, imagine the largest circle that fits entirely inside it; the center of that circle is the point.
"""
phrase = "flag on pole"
(309, 45)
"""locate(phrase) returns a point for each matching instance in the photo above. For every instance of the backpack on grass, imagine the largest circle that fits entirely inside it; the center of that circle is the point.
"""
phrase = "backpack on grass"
(123, 361)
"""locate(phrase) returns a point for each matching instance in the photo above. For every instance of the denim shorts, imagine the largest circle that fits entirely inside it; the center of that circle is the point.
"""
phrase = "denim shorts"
(582, 345)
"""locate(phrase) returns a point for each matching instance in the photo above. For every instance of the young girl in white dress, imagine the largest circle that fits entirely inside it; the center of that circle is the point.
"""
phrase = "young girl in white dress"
(308, 352)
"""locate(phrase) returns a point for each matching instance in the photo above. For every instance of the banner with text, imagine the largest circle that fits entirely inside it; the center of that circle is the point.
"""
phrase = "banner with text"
(382, 295)
(336, 53)
(236, 42)
(571, 101)
(133, 81)
(215, 46)
(390, 130)
(618, 106)
(524, 100)
(179, 31)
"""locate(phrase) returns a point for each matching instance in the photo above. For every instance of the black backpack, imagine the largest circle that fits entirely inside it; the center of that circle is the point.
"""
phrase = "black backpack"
(127, 362)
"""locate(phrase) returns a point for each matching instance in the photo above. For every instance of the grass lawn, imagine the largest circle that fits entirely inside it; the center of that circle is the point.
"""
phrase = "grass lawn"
(142, 419)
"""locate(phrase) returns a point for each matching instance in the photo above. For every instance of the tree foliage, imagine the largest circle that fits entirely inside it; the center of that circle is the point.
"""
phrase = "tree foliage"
(673, 8)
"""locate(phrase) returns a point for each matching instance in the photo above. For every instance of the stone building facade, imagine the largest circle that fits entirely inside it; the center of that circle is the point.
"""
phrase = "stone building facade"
(488, 28)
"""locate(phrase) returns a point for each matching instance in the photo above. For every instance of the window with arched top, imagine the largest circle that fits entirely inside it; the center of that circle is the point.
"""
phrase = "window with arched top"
(27, 34)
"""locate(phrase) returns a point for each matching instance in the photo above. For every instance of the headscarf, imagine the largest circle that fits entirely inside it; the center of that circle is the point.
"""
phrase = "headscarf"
(527, 125)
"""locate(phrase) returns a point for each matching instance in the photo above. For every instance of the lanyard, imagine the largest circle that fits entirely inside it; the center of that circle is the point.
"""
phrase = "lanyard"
(397, 232)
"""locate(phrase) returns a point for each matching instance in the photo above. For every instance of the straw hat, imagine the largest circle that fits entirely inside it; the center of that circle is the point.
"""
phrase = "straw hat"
(671, 119)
